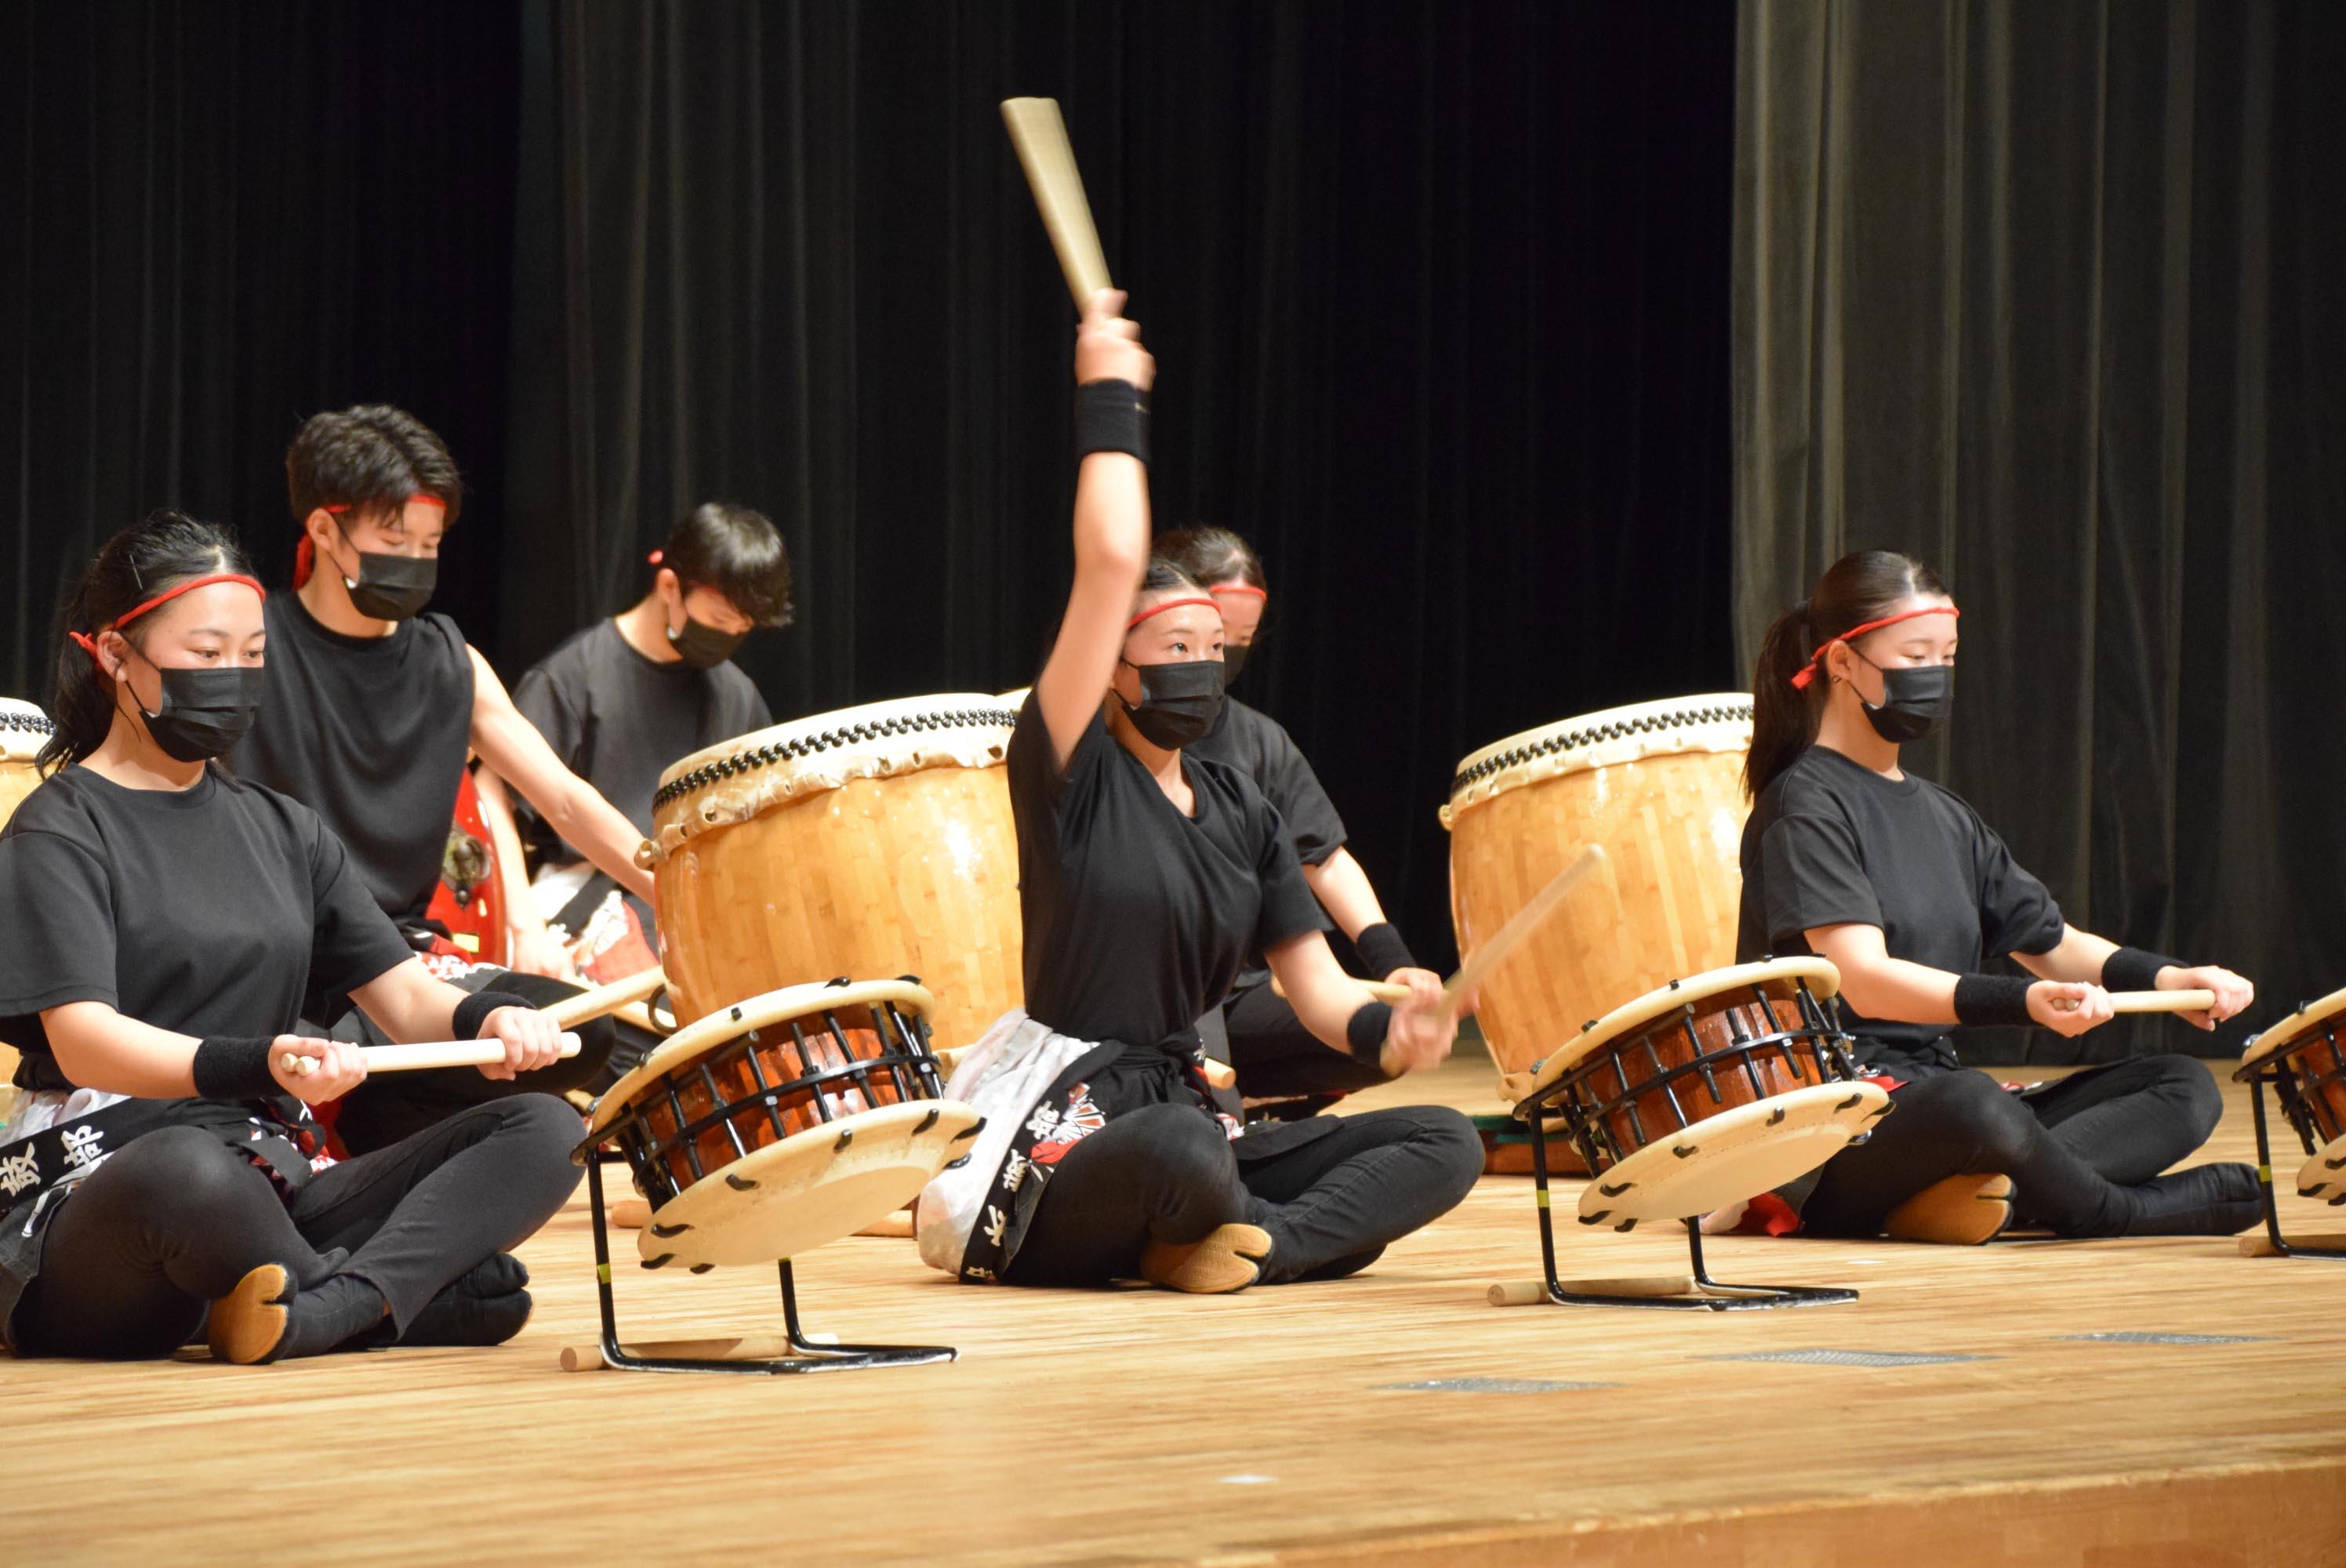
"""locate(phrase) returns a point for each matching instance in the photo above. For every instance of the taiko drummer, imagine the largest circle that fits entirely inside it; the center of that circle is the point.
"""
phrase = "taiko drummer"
(1912, 897)
(1147, 877)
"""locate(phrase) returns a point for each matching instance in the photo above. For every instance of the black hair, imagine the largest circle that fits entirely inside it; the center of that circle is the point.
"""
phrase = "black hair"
(150, 556)
(1163, 575)
(737, 552)
(1210, 556)
(1859, 588)
(370, 459)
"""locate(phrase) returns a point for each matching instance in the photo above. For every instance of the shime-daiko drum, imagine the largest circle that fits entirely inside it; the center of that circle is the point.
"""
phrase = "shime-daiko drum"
(1660, 788)
(24, 730)
(874, 840)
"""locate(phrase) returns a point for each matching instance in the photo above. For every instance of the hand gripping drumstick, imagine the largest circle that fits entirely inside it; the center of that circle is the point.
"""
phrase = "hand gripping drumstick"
(416, 1058)
(1491, 953)
(1041, 137)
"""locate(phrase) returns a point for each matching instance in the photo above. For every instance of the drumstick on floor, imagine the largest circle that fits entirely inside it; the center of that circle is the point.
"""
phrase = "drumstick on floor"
(1041, 137)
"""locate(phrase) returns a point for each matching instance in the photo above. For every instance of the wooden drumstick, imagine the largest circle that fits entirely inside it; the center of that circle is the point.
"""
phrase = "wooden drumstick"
(630, 1214)
(588, 1005)
(1526, 1292)
(2257, 1243)
(417, 1058)
(1041, 137)
(2161, 1000)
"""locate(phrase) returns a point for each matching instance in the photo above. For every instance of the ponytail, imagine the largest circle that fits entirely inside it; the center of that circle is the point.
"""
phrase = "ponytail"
(1859, 588)
(147, 558)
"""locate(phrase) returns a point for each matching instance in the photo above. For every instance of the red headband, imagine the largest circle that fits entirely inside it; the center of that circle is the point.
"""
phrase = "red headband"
(305, 555)
(1808, 672)
(90, 645)
(1240, 588)
(1171, 604)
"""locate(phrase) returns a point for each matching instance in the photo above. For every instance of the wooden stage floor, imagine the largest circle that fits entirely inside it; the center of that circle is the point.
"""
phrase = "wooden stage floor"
(1392, 1419)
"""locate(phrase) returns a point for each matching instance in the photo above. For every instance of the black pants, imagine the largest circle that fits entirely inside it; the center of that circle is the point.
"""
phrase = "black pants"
(1277, 1058)
(383, 1110)
(1166, 1173)
(174, 1220)
(2072, 1148)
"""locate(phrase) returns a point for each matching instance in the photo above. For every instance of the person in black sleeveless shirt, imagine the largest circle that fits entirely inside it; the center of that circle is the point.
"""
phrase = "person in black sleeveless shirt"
(1146, 876)
(1912, 896)
(623, 700)
(369, 707)
(167, 926)
(1282, 1065)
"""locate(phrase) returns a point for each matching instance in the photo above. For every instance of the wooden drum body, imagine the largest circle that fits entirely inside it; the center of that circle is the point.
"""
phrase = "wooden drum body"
(24, 730)
(784, 1122)
(871, 840)
(1659, 786)
(1708, 1090)
(2304, 1058)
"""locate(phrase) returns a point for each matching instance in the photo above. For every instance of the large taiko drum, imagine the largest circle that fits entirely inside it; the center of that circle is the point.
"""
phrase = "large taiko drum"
(874, 840)
(1661, 787)
(24, 730)
(2303, 1057)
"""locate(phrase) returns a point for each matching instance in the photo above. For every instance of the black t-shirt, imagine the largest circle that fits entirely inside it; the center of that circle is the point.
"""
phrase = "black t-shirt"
(1830, 841)
(225, 909)
(619, 720)
(1136, 917)
(372, 734)
(1258, 745)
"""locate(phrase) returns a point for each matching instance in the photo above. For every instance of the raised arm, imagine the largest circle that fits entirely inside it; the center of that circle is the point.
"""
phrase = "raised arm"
(1111, 536)
(511, 745)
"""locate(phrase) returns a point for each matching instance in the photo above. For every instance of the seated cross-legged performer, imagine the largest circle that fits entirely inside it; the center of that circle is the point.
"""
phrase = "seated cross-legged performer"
(163, 927)
(1278, 1059)
(1146, 876)
(622, 700)
(368, 709)
(1910, 894)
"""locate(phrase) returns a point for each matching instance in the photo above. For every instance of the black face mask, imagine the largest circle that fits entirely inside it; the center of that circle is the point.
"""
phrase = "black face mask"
(702, 646)
(392, 587)
(205, 712)
(1915, 700)
(1178, 702)
(1234, 658)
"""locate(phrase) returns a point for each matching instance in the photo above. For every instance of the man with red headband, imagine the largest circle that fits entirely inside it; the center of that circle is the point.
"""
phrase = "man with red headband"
(370, 709)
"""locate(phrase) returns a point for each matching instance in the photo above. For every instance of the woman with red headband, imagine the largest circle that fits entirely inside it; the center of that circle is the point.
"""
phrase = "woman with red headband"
(168, 926)
(1911, 897)
(1146, 877)
(1276, 1057)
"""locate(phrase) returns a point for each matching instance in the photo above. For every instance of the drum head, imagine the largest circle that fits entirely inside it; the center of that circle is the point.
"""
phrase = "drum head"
(2264, 1047)
(24, 730)
(811, 1187)
(1718, 721)
(1778, 974)
(2324, 1176)
(1732, 1156)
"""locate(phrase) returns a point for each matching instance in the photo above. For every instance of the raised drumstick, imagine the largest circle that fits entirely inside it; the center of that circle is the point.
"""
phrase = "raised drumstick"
(588, 1005)
(1041, 137)
(416, 1058)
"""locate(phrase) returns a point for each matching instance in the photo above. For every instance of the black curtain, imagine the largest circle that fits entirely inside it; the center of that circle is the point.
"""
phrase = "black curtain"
(224, 216)
(1439, 292)
(2048, 294)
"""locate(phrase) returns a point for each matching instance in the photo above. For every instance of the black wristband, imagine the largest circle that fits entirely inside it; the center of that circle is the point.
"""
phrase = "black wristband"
(1992, 999)
(474, 1010)
(2132, 969)
(1381, 947)
(1111, 416)
(230, 1068)
(1365, 1034)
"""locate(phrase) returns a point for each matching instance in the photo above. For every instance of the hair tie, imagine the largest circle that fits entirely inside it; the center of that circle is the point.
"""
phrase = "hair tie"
(1807, 670)
(1171, 605)
(657, 556)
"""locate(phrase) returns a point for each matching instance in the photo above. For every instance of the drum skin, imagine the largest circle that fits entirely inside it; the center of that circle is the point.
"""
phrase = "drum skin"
(24, 730)
(1665, 903)
(1719, 1024)
(912, 871)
